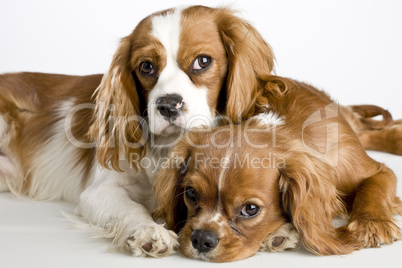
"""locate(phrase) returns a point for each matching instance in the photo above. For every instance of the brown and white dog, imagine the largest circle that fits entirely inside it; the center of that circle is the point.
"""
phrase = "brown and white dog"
(97, 140)
(84, 139)
(235, 189)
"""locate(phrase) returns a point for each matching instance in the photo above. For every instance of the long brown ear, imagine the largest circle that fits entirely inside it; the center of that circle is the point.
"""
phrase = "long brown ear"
(310, 198)
(116, 127)
(250, 62)
(168, 189)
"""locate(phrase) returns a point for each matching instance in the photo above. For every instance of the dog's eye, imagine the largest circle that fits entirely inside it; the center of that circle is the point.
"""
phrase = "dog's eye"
(191, 194)
(147, 68)
(201, 63)
(249, 211)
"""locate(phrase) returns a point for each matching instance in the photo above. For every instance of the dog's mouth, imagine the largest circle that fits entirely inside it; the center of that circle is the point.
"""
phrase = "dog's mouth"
(190, 252)
(169, 126)
(172, 128)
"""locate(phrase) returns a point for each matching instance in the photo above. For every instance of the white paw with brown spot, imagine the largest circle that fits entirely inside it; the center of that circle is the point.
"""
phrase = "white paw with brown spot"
(153, 241)
(285, 237)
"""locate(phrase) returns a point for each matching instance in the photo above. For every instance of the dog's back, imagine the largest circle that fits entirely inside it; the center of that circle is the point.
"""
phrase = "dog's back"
(36, 137)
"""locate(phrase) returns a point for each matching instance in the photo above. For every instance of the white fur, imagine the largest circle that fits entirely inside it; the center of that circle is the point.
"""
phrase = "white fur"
(54, 172)
(114, 205)
(173, 80)
(269, 118)
(119, 205)
(218, 219)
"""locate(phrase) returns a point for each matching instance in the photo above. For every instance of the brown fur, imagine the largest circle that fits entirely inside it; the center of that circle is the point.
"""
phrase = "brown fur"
(384, 135)
(243, 63)
(314, 187)
(240, 84)
(29, 103)
(319, 182)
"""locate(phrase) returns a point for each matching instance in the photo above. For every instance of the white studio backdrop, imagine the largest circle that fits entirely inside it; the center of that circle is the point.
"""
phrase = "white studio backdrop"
(350, 48)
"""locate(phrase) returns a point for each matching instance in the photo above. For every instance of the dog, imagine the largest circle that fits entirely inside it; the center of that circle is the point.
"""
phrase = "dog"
(97, 140)
(88, 139)
(233, 190)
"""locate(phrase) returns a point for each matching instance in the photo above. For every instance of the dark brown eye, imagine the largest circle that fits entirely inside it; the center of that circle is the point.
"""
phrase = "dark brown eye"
(249, 211)
(147, 68)
(191, 194)
(201, 63)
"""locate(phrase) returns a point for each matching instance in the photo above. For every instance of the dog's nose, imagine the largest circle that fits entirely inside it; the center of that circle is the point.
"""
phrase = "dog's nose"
(169, 105)
(204, 241)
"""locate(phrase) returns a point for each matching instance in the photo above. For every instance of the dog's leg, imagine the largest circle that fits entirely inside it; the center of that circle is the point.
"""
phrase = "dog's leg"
(386, 140)
(375, 202)
(109, 204)
(285, 237)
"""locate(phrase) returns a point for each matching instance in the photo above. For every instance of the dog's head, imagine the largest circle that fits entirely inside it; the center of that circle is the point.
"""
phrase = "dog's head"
(221, 193)
(229, 192)
(174, 72)
(220, 189)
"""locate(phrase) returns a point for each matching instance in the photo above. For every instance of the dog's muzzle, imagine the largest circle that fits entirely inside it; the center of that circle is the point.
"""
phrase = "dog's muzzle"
(204, 241)
(170, 106)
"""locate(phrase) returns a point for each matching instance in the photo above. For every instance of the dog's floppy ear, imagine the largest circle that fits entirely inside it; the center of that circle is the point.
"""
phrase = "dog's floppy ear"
(310, 199)
(116, 128)
(168, 188)
(250, 62)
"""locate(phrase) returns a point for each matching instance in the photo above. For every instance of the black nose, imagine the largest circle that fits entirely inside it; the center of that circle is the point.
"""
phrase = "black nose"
(204, 241)
(169, 105)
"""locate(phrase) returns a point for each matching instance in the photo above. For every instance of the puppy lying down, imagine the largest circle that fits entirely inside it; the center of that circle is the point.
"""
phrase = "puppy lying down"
(278, 178)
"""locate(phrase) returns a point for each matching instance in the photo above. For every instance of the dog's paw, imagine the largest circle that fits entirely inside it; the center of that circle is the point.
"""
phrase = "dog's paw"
(372, 233)
(154, 241)
(285, 237)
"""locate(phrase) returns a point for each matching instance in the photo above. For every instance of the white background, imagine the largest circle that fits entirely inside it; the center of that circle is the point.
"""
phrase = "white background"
(351, 49)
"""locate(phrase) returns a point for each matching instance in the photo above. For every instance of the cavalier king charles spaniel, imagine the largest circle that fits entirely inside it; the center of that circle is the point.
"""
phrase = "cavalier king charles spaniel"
(280, 177)
(98, 141)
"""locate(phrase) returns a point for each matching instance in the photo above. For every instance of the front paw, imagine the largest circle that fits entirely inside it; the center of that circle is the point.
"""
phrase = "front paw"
(154, 241)
(285, 237)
